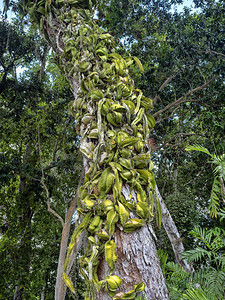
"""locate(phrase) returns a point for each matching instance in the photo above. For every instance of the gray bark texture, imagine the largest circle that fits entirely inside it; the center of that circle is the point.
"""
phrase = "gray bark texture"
(60, 287)
(137, 262)
(173, 235)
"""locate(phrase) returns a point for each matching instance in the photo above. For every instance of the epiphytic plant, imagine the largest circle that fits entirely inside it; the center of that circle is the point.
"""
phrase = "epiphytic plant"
(113, 120)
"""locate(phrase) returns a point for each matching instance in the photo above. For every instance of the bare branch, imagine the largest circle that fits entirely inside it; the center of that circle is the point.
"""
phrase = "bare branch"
(64, 241)
(201, 74)
(164, 85)
(180, 100)
(168, 117)
(176, 135)
(211, 51)
(194, 179)
(43, 180)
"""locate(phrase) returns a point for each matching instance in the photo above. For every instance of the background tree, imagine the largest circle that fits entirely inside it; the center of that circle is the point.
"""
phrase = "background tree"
(182, 52)
(32, 104)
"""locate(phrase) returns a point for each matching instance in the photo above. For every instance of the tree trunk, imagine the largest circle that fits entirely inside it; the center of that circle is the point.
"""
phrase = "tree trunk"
(137, 260)
(60, 287)
(173, 234)
(25, 214)
(18, 294)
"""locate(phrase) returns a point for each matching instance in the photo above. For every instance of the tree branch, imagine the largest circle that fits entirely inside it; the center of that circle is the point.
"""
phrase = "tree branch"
(179, 101)
(168, 117)
(74, 201)
(43, 180)
(60, 285)
(164, 85)
(178, 134)
(210, 51)
(173, 234)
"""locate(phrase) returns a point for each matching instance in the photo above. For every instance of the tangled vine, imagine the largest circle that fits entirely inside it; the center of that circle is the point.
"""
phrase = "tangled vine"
(113, 120)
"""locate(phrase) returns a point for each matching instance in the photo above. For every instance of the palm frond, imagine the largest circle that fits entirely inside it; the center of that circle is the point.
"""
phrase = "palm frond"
(215, 283)
(214, 198)
(220, 162)
(219, 238)
(222, 262)
(163, 257)
(202, 234)
(198, 148)
(196, 254)
(175, 268)
(195, 294)
(175, 293)
(221, 213)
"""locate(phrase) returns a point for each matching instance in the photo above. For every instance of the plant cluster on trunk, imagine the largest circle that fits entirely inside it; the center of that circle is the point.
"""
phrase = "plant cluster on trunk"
(112, 117)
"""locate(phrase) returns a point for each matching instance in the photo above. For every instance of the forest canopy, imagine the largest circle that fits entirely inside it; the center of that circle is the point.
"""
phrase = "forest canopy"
(178, 60)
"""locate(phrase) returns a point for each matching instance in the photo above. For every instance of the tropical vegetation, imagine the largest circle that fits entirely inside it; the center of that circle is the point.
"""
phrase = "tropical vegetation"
(176, 59)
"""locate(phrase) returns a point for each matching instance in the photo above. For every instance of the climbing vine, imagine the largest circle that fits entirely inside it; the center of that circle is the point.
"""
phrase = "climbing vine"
(113, 120)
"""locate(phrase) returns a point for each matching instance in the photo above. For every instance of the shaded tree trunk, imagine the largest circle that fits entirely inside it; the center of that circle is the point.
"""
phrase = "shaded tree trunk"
(18, 294)
(137, 261)
(25, 214)
(173, 235)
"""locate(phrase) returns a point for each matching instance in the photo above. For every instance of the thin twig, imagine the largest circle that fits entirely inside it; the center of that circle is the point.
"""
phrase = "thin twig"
(163, 85)
(176, 135)
(165, 118)
(43, 180)
(201, 74)
(210, 51)
(194, 179)
(179, 101)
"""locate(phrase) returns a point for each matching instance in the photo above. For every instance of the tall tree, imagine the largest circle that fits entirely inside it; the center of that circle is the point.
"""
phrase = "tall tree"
(181, 52)
(109, 115)
(68, 42)
(33, 120)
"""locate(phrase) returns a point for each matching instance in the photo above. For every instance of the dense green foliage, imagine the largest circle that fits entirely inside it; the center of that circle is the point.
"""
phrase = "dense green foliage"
(186, 50)
(208, 256)
(180, 52)
(32, 102)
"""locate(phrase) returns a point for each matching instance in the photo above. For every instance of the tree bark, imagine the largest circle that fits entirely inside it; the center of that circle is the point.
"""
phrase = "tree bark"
(137, 256)
(60, 287)
(18, 293)
(173, 235)
(137, 261)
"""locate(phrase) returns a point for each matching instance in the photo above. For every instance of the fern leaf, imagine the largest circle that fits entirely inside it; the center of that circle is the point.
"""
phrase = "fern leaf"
(198, 148)
(220, 162)
(214, 198)
(202, 235)
(163, 257)
(215, 283)
(196, 254)
(195, 294)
